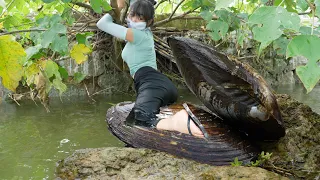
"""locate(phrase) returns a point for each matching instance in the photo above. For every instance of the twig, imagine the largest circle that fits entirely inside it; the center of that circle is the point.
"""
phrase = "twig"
(174, 11)
(162, 1)
(100, 91)
(21, 31)
(6, 8)
(84, 5)
(88, 93)
(176, 17)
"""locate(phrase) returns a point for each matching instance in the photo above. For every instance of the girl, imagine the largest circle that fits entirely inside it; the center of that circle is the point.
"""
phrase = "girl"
(153, 88)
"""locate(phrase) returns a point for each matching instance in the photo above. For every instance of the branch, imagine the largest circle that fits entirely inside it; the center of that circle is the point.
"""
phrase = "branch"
(304, 13)
(312, 7)
(21, 31)
(162, 1)
(174, 11)
(176, 17)
(84, 5)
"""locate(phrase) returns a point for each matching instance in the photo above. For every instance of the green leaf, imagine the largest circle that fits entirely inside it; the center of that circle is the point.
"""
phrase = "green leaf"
(290, 5)
(240, 38)
(263, 1)
(218, 29)
(106, 6)
(206, 15)
(280, 45)
(60, 44)
(270, 22)
(317, 3)
(48, 1)
(303, 5)
(12, 57)
(49, 35)
(52, 70)
(19, 4)
(67, 15)
(81, 38)
(308, 47)
(223, 4)
(78, 77)
(58, 84)
(66, 1)
(63, 72)
(96, 5)
(228, 17)
(32, 51)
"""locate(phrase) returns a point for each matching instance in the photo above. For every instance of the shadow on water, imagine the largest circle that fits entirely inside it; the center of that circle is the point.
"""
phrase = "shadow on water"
(32, 140)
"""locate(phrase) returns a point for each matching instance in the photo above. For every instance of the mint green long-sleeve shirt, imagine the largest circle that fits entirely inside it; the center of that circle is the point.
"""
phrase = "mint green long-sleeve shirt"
(136, 54)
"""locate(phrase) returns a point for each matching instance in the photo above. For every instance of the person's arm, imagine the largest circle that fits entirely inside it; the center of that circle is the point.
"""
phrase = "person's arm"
(106, 25)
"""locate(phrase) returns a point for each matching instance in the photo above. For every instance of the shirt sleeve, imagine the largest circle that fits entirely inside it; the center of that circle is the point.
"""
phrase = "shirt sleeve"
(105, 24)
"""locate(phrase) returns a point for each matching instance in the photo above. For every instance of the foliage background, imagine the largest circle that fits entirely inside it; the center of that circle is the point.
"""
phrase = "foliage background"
(36, 34)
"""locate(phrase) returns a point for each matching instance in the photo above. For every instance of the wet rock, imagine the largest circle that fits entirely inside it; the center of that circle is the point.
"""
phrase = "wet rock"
(297, 153)
(128, 163)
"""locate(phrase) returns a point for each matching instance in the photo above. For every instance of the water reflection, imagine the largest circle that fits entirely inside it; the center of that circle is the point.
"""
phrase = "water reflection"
(298, 92)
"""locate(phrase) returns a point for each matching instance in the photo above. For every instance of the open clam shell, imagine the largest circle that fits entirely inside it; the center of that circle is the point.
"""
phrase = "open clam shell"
(230, 88)
(221, 148)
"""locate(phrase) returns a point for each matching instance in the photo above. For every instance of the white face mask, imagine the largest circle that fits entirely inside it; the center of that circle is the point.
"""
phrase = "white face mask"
(136, 25)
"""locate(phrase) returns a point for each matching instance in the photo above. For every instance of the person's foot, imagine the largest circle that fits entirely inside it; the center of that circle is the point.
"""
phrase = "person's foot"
(178, 122)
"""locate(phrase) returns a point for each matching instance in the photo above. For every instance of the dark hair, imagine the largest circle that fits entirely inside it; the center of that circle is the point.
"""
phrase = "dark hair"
(143, 8)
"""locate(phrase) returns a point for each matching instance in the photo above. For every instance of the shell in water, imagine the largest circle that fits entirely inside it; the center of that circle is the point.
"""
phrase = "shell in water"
(229, 88)
(221, 148)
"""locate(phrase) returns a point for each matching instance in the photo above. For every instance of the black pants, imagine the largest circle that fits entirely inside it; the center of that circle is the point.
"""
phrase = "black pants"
(153, 91)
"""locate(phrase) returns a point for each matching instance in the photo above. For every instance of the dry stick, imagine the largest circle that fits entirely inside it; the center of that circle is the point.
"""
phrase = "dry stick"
(88, 92)
(173, 18)
(100, 91)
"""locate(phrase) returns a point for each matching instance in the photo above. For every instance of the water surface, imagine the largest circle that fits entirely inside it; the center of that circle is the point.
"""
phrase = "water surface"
(32, 140)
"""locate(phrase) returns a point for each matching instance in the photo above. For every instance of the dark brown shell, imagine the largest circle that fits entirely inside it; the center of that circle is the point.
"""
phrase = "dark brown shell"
(229, 88)
(221, 148)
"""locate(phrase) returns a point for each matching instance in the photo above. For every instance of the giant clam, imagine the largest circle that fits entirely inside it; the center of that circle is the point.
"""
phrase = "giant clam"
(229, 88)
(239, 106)
(223, 145)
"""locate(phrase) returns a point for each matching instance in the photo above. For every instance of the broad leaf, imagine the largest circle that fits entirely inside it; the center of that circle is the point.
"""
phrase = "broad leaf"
(58, 84)
(280, 45)
(228, 17)
(223, 4)
(317, 3)
(60, 44)
(206, 15)
(63, 72)
(52, 70)
(306, 46)
(12, 57)
(32, 51)
(303, 5)
(48, 1)
(52, 33)
(218, 29)
(97, 5)
(79, 53)
(270, 22)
